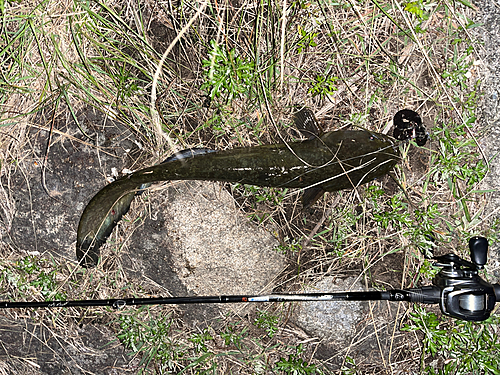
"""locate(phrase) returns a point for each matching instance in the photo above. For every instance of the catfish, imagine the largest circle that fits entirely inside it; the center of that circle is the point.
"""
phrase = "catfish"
(325, 162)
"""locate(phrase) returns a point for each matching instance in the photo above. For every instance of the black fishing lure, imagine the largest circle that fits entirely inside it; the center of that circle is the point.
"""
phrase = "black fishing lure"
(326, 162)
(408, 125)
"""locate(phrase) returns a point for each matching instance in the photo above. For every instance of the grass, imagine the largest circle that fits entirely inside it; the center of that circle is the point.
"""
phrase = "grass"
(232, 81)
(467, 347)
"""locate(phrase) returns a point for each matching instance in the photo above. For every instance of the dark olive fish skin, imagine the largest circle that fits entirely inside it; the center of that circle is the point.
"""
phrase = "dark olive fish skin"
(334, 161)
(326, 162)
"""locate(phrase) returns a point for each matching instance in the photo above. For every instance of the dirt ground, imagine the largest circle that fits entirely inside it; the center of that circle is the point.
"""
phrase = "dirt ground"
(57, 164)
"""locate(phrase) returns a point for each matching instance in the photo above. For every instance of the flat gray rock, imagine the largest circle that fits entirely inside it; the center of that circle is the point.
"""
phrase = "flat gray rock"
(218, 250)
(198, 243)
(332, 320)
(367, 331)
(29, 348)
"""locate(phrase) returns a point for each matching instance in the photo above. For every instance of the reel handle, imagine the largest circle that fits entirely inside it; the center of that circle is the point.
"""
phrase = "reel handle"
(478, 251)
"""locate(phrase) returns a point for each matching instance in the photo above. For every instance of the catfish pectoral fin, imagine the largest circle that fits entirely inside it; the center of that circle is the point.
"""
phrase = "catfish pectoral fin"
(311, 195)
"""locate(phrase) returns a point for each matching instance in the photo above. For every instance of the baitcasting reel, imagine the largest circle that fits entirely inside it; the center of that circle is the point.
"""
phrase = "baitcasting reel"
(458, 289)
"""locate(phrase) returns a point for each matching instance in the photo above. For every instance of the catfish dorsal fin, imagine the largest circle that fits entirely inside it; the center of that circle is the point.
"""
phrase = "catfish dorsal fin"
(306, 123)
(187, 153)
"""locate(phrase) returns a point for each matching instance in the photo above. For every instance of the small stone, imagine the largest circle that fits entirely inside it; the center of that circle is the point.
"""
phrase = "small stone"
(332, 320)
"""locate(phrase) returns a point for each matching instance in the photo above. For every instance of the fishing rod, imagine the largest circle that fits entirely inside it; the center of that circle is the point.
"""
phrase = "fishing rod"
(457, 288)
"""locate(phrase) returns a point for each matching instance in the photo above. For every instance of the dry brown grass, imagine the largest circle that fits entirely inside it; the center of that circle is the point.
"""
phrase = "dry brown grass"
(73, 55)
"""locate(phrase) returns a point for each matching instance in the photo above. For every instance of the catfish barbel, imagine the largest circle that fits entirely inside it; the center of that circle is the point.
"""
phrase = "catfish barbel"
(329, 162)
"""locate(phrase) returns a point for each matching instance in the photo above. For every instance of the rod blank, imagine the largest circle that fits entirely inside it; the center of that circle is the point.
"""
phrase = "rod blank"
(392, 295)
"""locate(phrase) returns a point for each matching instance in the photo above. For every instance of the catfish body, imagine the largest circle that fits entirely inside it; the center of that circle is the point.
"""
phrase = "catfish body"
(334, 161)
